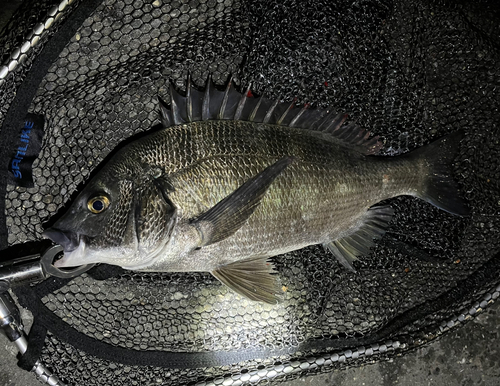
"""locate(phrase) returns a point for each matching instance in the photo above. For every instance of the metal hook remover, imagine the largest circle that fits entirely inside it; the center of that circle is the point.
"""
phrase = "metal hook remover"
(23, 271)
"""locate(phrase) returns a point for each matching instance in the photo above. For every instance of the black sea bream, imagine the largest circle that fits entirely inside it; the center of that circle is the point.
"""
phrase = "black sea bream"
(232, 180)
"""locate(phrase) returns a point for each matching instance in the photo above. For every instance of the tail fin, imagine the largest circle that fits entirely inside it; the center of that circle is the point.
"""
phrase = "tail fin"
(440, 189)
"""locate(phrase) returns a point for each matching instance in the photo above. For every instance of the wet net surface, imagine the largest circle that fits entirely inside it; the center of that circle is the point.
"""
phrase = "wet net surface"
(409, 71)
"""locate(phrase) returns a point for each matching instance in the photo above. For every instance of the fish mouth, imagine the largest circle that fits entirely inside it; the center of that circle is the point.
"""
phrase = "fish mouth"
(73, 245)
(68, 240)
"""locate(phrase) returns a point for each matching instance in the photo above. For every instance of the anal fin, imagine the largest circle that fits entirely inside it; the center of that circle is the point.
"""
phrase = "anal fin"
(251, 278)
(373, 226)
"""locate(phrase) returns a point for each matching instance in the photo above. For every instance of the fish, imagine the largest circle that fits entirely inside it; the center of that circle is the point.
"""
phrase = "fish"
(231, 180)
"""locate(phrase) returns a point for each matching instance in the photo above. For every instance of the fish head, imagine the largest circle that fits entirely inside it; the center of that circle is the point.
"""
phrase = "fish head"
(124, 221)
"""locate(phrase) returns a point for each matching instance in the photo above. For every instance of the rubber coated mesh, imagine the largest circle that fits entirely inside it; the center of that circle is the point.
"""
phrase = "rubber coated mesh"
(410, 71)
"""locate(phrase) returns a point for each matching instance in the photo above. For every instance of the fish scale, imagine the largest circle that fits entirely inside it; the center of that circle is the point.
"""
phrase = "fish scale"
(225, 195)
(308, 189)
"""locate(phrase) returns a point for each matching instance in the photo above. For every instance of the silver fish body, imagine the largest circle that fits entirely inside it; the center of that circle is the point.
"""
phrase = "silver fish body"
(224, 195)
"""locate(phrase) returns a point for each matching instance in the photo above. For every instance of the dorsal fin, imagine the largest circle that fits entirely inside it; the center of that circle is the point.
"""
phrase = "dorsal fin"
(165, 114)
(205, 104)
(241, 103)
(189, 101)
(270, 111)
(177, 104)
(223, 105)
(232, 105)
(298, 115)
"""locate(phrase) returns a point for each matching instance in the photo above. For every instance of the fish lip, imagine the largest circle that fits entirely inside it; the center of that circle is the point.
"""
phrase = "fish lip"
(67, 239)
(70, 257)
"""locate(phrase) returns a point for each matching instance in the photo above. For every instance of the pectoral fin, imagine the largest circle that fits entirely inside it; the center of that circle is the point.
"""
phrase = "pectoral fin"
(373, 226)
(225, 218)
(251, 278)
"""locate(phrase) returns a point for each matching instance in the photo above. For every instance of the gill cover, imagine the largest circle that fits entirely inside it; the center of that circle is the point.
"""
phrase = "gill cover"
(155, 218)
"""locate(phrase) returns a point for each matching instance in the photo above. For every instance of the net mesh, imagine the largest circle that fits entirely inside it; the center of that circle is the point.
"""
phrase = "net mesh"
(410, 71)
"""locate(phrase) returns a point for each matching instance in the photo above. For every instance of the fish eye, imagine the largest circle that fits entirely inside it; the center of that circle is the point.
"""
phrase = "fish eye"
(98, 204)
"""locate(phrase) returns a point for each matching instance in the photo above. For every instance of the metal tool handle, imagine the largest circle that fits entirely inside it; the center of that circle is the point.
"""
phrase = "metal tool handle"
(37, 267)
(9, 317)
(22, 271)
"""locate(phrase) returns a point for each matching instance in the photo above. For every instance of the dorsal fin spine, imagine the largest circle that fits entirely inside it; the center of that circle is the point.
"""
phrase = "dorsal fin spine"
(205, 109)
(335, 123)
(271, 110)
(326, 120)
(173, 105)
(229, 104)
(299, 114)
(166, 120)
(279, 121)
(254, 112)
(241, 104)
(189, 101)
(224, 100)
